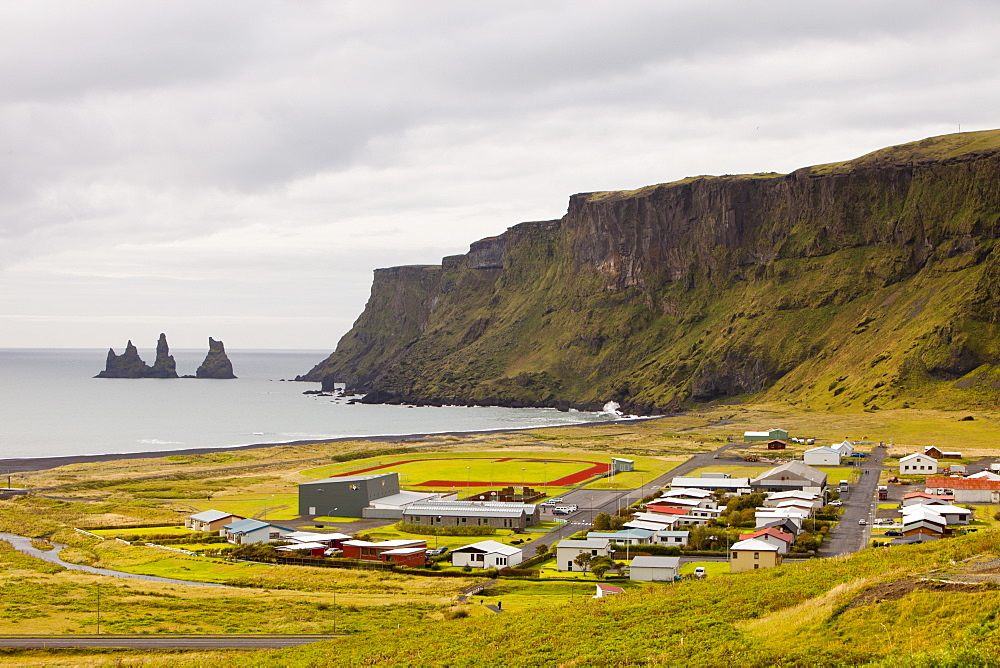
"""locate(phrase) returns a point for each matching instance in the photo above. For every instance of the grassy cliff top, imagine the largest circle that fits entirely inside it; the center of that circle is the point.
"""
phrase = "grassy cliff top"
(943, 147)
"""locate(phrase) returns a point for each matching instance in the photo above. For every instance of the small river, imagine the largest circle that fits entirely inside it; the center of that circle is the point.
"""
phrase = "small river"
(23, 544)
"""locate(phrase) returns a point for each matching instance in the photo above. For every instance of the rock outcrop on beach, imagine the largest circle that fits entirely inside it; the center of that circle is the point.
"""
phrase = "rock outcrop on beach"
(216, 364)
(872, 283)
(164, 366)
(126, 365)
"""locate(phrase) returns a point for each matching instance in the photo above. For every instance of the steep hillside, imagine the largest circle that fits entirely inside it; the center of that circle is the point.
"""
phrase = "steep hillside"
(871, 283)
(924, 605)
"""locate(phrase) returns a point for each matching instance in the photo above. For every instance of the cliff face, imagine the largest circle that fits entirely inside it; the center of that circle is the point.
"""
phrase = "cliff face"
(870, 283)
(126, 365)
(164, 365)
(216, 364)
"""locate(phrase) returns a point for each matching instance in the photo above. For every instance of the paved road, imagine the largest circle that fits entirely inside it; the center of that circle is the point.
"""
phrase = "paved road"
(860, 503)
(159, 641)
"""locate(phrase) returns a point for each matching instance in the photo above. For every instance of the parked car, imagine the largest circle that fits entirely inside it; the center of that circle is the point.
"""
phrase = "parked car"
(862, 522)
(555, 499)
(699, 571)
(893, 532)
(838, 502)
(436, 551)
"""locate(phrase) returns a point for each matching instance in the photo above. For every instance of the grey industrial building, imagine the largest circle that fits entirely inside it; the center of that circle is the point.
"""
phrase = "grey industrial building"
(472, 513)
(345, 496)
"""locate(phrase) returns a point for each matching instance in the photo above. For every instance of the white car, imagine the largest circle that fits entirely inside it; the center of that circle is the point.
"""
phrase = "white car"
(862, 522)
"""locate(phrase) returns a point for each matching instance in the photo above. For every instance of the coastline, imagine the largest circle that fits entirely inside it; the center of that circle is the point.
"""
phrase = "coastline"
(29, 464)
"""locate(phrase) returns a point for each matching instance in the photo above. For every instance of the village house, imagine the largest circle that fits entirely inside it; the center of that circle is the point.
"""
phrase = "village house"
(952, 515)
(748, 555)
(728, 485)
(654, 569)
(248, 531)
(796, 516)
(769, 435)
(821, 456)
(685, 493)
(776, 537)
(913, 498)
(472, 513)
(845, 448)
(776, 444)
(775, 499)
(918, 464)
(567, 550)
(966, 490)
(937, 453)
(667, 537)
(402, 552)
(210, 521)
(790, 476)
(625, 536)
(924, 521)
(487, 554)
(330, 540)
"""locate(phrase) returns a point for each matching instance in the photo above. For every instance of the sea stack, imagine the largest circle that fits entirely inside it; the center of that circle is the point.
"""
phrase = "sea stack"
(216, 364)
(164, 366)
(126, 365)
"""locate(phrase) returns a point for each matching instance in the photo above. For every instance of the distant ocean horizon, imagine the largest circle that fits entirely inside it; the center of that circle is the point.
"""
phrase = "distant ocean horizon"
(51, 406)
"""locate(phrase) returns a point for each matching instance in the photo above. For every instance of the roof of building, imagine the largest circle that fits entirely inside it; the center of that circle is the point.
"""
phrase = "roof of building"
(674, 501)
(212, 516)
(780, 523)
(820, 448)
(624, 533)
(309, 536)
(923, 515)
(302, 546)
(794, 469)
(404, 498)
(489, 547)
(248, 525)
(769, 531)
(713, 483)
(794, 503)
(655, 562)
(937, 508)
(589, 544)
(390, 544)
(610, 589)
(668, 510)
(917, 455)
(645, 524)
(348, 478)
(941, 482)
(403, 551)
(793, 494)
(692, 492)
(927, 495)
(985, 475)
(424, 509)
(754, 545)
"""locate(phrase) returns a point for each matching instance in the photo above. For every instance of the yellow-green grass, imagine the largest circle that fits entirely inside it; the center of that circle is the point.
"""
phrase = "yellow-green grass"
(888, 506)
(646, 469)
(984, 515)
(524, 595)
(178, 531)
(712, 568)
(834, 474)
(278, 506)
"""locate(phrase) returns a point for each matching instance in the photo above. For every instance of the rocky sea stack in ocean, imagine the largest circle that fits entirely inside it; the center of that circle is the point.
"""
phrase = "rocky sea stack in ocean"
(216, 364)
(130, 365)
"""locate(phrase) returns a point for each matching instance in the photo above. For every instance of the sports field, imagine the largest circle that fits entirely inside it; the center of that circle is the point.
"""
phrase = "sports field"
(470, 470)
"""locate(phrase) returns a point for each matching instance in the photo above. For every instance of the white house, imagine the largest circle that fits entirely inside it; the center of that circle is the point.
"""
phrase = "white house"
(918, 464)
(952, 514)
(666, 537)
(605, 590)
(487, 554)
(686, 493)
(777, 498)
(821, 456)
(625, 536)
(654, 569)
(250, 531)
(567, 550)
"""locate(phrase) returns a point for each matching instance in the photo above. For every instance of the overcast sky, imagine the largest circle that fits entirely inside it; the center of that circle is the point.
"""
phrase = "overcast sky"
(237, 169)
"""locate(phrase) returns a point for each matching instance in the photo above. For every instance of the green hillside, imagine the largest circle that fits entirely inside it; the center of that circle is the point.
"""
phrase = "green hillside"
(924, 605)
(868, 284)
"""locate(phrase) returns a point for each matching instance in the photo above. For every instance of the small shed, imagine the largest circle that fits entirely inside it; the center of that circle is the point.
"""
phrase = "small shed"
(776, 444)
(604, 590)
(654, 569)
(619, 465)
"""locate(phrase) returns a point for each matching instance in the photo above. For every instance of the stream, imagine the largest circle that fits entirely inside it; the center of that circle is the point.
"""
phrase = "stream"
(23, 544)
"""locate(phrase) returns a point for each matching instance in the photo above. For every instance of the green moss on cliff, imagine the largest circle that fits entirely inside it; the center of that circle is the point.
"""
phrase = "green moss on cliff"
(869, 288)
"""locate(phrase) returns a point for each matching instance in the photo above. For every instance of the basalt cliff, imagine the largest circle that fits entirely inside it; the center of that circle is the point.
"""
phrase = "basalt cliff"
(871, 283)
(216, 364)
(130, 365)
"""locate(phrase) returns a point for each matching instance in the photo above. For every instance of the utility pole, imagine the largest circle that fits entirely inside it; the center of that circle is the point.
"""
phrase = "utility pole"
(98, 608)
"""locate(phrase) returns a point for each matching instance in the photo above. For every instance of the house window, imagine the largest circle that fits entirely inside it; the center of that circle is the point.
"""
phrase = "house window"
(756, 565)
(501, 561)
(756, 555)
(273, 535)
(736, 555)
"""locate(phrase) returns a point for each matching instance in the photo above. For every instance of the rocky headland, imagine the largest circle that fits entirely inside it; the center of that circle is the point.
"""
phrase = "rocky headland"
(216, 364)
(865, 284)
(130, 365)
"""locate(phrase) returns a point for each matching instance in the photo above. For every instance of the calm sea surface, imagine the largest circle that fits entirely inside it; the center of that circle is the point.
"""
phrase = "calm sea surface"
(51, 406)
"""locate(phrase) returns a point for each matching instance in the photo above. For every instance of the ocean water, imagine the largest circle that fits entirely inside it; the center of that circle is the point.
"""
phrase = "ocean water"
(50, 405)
